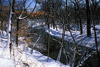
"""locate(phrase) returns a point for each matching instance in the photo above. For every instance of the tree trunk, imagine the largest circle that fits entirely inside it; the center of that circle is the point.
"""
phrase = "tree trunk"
(95, 35)
(81, 30)
(88, 19)
(75, 48)
(79, 17)
(9, 43)
(75, 14)
(0, 5)
(17, 28)
(96, 43)
(48, 41)
(2, 27)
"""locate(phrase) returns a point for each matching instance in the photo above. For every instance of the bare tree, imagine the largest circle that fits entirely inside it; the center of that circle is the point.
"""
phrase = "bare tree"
(0, 5)
(93, 20)
(88, 19)
(21, 18)
(78, 13)
(9, 43)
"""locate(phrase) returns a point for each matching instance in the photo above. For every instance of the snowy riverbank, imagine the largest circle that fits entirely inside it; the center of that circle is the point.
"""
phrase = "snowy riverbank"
(24, 58)
(82, 40)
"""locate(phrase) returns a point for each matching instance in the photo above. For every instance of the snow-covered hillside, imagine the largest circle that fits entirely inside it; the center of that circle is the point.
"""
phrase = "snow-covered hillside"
(20, 58)
(82, 40)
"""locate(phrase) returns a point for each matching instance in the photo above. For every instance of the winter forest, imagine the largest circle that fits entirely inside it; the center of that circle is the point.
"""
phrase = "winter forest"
(49, 33)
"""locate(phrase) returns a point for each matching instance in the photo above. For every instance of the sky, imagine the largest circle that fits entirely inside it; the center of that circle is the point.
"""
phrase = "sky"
(29, 1)
(32, 5)
(5, 2)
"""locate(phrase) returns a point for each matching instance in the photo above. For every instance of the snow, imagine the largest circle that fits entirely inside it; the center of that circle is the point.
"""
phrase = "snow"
(6, 63)
(22, 58)
(36, 59)
(82, 40)
(97, 27)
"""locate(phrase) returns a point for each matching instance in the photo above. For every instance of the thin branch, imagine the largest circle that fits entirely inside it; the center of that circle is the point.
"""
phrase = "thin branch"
(20, 17)
(29, 4)
(9, 2)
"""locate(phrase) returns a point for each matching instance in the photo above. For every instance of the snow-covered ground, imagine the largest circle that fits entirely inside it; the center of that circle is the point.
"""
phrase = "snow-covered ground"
(82, 40)
(20, 58)
(36, 59)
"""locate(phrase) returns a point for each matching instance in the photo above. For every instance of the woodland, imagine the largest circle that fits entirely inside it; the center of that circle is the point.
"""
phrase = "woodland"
(49, 33)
